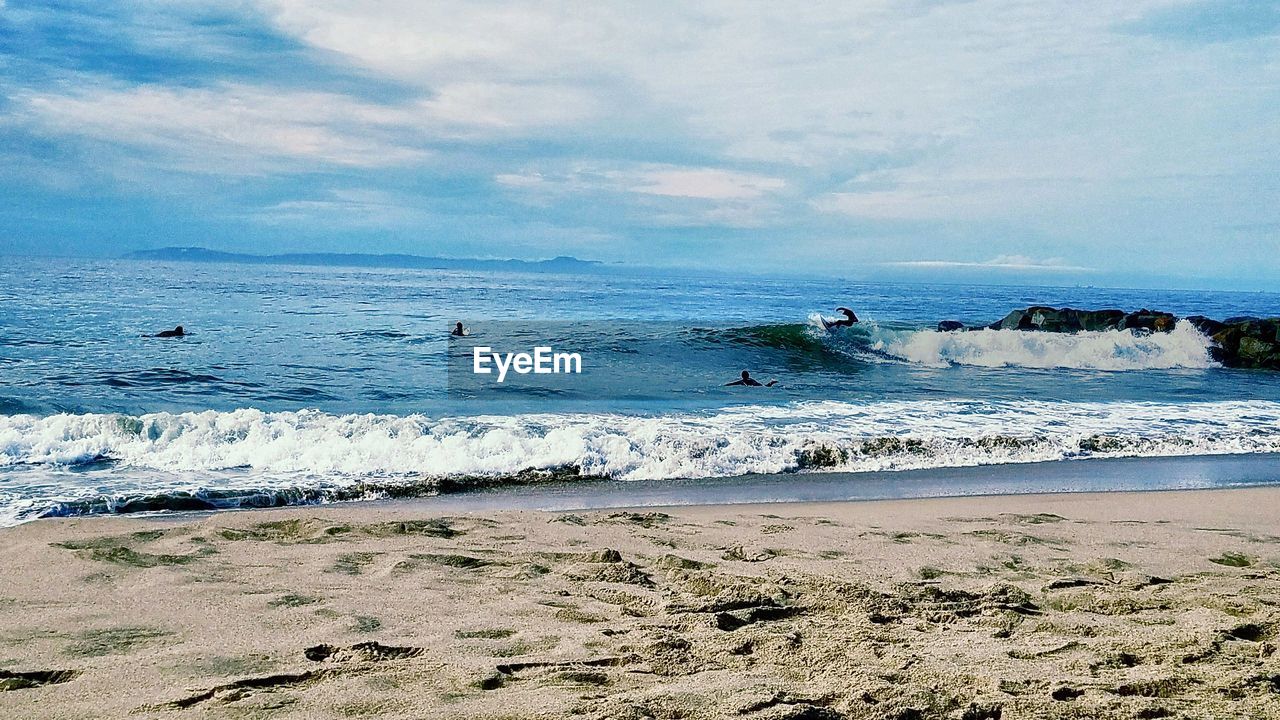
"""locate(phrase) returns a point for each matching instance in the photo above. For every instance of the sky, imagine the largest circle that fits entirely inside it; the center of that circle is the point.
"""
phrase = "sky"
(1083, 142)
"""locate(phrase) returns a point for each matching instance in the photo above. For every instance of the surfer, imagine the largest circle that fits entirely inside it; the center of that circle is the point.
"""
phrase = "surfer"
(458, 330)
(176, 332)
(749, 381)
(848, 321)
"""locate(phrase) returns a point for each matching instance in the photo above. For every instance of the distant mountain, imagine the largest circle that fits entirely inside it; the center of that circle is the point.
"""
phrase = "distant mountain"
(563, 264)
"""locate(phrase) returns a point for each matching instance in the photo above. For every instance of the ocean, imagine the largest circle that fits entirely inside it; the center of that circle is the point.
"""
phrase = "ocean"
(312, 384)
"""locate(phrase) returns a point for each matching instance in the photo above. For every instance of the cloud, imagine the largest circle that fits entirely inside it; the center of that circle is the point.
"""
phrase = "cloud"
(229, 128)
(348, 207)
(240, 128)
(469, 109)
(664, 195)
(955, 129)
(889, 204)
(769, 82)
(698, 183)
(706, 184)
(955, 199)
(1000, 262)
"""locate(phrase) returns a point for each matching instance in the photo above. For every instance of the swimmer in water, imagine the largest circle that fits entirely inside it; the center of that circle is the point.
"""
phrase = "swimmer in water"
(848, 321)
(176, 332)
(749, 381)
(458, 330)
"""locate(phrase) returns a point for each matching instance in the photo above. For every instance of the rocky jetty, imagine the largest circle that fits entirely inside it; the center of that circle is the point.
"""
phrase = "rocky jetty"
(1247, 342)
(1240, 342)
(1050, 319)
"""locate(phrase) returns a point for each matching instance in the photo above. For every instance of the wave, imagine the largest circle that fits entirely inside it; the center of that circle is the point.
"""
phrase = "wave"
(779, 336)
(1184, 347)
(312, 456)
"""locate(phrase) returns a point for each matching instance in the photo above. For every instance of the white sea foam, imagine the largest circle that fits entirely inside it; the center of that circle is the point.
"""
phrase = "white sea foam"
(1183, 347)
(761, 439)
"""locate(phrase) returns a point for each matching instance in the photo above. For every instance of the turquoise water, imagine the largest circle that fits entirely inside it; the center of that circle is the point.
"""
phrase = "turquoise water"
(299, 384)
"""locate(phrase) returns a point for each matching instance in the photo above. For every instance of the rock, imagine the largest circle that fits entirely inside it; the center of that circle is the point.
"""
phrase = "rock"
(950, 325)
(1258, 353)
(1100, 320)
(1208, 326)
(1044, 318)
(1016, 320)
(1238, 342)
(1053, 320)
(1245, 342)
(1048, 319)
(1149, 320)
(1270, 329)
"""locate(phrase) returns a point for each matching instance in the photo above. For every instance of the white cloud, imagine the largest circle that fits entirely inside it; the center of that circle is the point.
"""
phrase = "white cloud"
(1005, 123)
(1000, 262)
(952, 90)
(706, 184)
(952, 199)
(664, 195)
(769, 81)
(346, 207)
(234, 128)
(478, 108)
(230, 128)
(888, 204)
(698, 183)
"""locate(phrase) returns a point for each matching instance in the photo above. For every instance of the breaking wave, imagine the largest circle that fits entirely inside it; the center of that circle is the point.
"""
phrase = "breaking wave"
(248, 457)
(1184, 347)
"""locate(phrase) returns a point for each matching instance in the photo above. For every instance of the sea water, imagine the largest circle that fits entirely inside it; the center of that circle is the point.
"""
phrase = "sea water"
(305, 384)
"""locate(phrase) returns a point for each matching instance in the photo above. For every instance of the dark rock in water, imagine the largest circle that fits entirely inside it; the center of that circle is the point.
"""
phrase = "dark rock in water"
(1061, 320)
(1019, 320)
(1053, 320)
(1208, 326)
(1243, 342)
(1149, 320)
(1100, 320)
(1238, 342)
(1260, 352)
(1050, 319)
(950, 325)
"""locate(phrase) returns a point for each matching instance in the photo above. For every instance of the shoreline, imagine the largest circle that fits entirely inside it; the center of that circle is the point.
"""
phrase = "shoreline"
(1101, 605)
(1080, 476)
(1068, 477)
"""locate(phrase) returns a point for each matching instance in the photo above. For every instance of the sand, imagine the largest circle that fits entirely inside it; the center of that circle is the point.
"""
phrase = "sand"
(1136, 605)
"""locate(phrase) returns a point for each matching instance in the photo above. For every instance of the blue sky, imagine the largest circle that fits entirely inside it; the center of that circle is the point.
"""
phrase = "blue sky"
(1082, 142)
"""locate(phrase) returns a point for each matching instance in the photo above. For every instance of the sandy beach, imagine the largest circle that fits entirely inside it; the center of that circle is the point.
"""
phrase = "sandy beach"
(1119, 605)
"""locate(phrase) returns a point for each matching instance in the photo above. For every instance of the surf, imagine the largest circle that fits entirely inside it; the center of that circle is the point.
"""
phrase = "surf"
(1183, 348)
(101, 461)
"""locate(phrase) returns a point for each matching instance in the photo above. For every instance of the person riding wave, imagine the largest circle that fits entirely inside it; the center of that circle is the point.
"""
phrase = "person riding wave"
(848, 320)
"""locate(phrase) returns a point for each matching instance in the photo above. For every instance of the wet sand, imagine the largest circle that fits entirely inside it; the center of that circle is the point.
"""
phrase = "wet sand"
(1112, 605)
